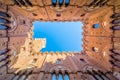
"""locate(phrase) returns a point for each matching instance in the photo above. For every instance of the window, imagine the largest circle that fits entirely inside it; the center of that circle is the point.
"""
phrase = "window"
(34, 14)
(116, 21)
(2, 20)
(3, 27)
(116, 27)
(4, 14)
(23, 3)
(96, 25)
(67, 2)
(54, 76)
(66, 76)
(60, 2)
(58, 61)
(22, 22)
(34, 60)
(3, 51)
(60, 76)
(54, 2)
(58, 14)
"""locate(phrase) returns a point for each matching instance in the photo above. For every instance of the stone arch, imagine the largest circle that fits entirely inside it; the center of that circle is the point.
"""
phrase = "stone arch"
(59, 68)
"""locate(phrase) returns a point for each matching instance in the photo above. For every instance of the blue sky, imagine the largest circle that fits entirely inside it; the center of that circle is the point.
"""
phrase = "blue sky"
(60, 36)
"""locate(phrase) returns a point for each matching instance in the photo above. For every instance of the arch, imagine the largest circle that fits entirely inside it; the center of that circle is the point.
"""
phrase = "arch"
(67, 2)
(116, 21)
(83, 61)
(54, 77)
(58, 61)
(61, 2)
(95, 49)
(60, 76)
(66, 76)
(96, 25)
(3, 51)
(22, 2)
(5, 21)
(116, 28)
(3, 58)
(17, 3)
(28, 2)
(116, 15)
(54, 2)
(2, 20)
(115, 63)
(3, 27)
(4, 14)
(13, 22)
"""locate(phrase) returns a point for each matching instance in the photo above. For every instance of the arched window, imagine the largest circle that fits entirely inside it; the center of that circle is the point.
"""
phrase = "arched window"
(95, 49)
(66, 76)
(3, 51)
(60, 2)
(116, 15)
(116, 21)
(3, 27)
(58, 61)
(60, 76)
(54, 77)
(29, 2)
(96, 25)
(83, 61)
(4, 14)
(67, 2)
(23, 2)
(3, 20)
(54, 2)
(116, 27)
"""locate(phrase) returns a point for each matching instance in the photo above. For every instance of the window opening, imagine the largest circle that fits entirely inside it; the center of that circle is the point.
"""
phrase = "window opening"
(58, 61)
(96, 25)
